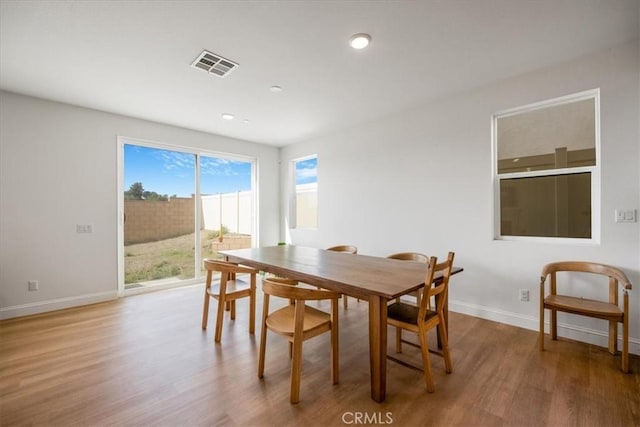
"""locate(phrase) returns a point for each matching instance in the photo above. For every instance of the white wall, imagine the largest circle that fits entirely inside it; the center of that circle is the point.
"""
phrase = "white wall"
(58, 168)
(433, 167)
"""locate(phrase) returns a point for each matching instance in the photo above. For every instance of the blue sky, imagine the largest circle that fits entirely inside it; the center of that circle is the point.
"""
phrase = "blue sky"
(307, 171)
(171, 172)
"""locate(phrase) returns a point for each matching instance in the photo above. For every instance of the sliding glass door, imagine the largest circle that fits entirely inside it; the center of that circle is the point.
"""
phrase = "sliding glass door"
(178, 207)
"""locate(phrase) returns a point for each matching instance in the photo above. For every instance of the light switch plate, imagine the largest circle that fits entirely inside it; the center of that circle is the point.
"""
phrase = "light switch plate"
(625, 215)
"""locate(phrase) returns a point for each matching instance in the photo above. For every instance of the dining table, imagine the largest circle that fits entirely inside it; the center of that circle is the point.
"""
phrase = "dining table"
(371, 278)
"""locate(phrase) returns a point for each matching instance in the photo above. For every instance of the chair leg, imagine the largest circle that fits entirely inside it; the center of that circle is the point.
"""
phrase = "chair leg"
(554, 325)
(345, 302)
(263, 336)
(444, 339)
(263, 348)
(625, 344)
(613, 336)
(428, 375)
(541, 330)
(233, 310)
(252, 311)
(205, 310)
(296, 368)
(220, 318)
(398, 339)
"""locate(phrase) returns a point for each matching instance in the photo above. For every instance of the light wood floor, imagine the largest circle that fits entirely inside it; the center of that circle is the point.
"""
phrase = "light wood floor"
(144, 360)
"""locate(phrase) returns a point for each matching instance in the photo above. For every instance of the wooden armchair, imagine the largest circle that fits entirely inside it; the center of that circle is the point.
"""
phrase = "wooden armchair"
(350, 250)
(607, 310)
(423, 318)
(298, 322)
(227, 291)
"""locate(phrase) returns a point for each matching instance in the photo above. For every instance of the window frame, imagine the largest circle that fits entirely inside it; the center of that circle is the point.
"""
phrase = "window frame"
(121, 141)
(594, 170)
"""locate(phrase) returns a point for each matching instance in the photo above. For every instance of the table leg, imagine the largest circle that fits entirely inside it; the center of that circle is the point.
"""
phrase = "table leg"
(378, 347)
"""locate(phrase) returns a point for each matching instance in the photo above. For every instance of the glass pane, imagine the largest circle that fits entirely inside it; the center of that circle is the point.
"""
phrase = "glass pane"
(307, 193)
(549, 206)
(159, 210)
(225, 189)
(558, 136)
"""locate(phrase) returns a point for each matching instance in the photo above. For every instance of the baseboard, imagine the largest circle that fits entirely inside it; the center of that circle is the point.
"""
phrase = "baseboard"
(573, 332)
(55, 304)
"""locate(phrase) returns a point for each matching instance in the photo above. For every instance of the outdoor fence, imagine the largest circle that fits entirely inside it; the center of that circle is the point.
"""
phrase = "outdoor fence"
(150, 220)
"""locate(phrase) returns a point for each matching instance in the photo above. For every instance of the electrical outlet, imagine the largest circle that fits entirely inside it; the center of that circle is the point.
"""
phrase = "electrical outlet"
(34, 285)
(524, 295)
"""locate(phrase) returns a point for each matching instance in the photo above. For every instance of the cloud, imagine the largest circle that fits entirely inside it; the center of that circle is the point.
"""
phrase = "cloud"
(307, 171)
(173, 160)
(223, 167)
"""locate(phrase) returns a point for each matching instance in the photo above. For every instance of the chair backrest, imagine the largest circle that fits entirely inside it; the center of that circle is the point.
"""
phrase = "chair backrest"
(219, 265)
(615, 275)
(226, 269)
(344, 248)
(439, 291)
(287, 288)
(410, 256)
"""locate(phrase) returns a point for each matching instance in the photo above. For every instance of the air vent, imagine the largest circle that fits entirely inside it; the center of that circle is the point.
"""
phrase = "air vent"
(214, 64)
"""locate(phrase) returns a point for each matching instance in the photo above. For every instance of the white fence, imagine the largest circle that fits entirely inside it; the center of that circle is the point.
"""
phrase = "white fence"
(233, 210)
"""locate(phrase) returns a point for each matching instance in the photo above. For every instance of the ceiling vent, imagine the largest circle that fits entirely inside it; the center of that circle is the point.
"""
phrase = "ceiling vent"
(214, 64)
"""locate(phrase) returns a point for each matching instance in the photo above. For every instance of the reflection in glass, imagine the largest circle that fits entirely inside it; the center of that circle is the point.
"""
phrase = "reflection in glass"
(559, 136)
(549, 206)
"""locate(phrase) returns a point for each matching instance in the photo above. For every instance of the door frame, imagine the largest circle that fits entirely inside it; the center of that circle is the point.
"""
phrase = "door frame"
(121, 141)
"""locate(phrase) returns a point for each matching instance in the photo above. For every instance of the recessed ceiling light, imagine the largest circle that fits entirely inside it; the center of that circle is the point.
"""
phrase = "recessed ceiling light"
(227, 116)
(359, 41)
(275, 89)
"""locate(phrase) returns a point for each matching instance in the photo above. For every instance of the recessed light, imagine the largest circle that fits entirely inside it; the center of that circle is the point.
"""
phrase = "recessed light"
(275, 89)
(359, 41)
(227, 116)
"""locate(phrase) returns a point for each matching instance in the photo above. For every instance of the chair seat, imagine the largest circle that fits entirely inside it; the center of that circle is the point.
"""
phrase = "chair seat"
(406, 313)
(583, 306)
(235, 289)
(282, 321)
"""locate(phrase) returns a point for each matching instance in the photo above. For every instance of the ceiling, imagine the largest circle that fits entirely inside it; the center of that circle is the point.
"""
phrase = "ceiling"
(134, 57)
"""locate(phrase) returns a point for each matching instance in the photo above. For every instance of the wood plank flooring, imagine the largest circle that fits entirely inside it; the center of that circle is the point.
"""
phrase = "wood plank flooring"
(144, 360)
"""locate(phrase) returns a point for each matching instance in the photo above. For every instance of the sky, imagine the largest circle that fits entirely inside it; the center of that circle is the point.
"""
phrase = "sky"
(307, 171)
(173, 173)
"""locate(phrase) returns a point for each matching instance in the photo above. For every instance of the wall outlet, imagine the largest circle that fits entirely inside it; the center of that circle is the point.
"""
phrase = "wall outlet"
(524, 295)
(34, 285)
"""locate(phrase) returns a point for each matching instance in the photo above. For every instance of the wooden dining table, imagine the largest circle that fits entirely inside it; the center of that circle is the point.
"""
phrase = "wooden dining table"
(374, 279)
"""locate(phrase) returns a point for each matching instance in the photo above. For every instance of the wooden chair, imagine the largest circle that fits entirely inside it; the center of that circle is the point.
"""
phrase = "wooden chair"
(227, 291)
(411, 256)
(408, 256)
(607, 310)
(350, 250)
(420, 319)
(297, 322)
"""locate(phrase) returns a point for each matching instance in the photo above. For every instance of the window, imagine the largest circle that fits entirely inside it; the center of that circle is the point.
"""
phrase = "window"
(305, 197)
(179, 205)
(546, 169)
